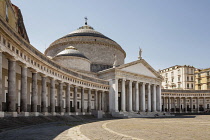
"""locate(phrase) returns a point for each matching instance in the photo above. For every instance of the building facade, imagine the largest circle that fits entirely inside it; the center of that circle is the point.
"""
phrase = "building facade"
(178, 77)
(79, 73)
(202, 79)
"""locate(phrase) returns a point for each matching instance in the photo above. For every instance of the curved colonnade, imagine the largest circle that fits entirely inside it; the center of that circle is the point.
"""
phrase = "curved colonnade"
(37, 84)
(189, 101)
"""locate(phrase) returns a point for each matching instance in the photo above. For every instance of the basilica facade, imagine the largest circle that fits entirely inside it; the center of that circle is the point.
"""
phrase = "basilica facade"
(82, 72)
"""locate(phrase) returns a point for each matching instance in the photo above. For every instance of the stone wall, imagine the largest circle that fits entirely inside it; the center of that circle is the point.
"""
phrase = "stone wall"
(73, 62)
(97, 50)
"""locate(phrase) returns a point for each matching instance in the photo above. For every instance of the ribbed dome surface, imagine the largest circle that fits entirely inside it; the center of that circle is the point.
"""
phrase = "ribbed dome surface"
(86, 30)
(71, 51)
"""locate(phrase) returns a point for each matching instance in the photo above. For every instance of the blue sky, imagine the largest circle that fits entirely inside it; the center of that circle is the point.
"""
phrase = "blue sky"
(170, 32)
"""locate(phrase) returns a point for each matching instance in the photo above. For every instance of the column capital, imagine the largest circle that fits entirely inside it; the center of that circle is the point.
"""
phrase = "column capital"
(11, 58)
(23, 65)
(33, 70)
(43, 75)
(67, 83)
(51, 78)
(137, 83)
(143, 83)
(130, 80)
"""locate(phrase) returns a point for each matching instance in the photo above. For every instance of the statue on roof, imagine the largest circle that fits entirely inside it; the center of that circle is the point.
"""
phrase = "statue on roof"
(115, 61)
(140, 54)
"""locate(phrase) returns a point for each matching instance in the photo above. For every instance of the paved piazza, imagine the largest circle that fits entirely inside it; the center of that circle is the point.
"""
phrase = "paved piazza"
(185, 127)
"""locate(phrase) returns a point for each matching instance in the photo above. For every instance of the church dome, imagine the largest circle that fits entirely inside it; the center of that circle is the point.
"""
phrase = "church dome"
(98, 48)
(70, 57)
(71, 51)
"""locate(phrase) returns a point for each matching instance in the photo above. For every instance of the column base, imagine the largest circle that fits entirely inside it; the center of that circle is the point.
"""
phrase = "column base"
(53, 113)
(61, 113)
(1, 114)
(67, 113)
(82, 113)
(11, 114)
(34, 113)
(24, 114)
(45, 113)
(74, 113)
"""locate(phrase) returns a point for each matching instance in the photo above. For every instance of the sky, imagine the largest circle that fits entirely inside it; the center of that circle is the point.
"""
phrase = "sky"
(170, 32)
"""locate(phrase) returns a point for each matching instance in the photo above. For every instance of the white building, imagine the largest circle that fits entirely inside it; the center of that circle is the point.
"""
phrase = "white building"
(178, 77)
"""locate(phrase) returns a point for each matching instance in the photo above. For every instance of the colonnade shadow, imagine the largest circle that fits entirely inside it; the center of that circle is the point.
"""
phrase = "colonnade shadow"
(41, 127)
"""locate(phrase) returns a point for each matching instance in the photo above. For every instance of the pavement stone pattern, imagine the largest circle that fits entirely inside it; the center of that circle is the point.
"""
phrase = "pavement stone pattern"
(183, 128)
(174, 128)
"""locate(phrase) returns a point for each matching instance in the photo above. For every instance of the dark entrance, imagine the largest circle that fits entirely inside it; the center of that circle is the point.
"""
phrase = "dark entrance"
(119, 101)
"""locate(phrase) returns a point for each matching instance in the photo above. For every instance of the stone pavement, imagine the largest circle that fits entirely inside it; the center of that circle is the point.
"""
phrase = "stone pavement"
(186, 127)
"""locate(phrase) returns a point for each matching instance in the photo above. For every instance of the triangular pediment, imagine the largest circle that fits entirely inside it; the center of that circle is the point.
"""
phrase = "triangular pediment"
(140, 67)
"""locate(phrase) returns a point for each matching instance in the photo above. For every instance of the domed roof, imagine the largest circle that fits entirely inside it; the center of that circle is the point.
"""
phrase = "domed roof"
(86, 30)
(71, 51)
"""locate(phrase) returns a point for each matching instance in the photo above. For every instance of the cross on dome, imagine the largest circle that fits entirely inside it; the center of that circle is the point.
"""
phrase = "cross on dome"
(86, 20)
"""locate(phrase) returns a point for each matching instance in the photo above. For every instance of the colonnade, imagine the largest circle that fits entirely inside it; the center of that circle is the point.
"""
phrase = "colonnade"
(47, 97)
(184, 104)
(137, 96)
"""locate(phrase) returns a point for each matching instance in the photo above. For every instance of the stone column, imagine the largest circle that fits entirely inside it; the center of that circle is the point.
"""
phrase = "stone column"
(99, 104)
(67, 97)
(174, 105)
(179, 100)
(197, 104)
(185, 104)
(34, 92)
(158, 98)
(96, 100)
(52, 95)
(11, 85)
(149, 98)
(103, 100)
(23, 100)
(82, 99)
(0, 76)
(116, 96)
(143, 97)
(130, 96)
(60, 95)
(75, 98)
(137, 96)
(123, 96)
(44, 95)
(169, 104)
(191, 104)
(204, 103)
(154, 98)
(164, 104)
(89, 100)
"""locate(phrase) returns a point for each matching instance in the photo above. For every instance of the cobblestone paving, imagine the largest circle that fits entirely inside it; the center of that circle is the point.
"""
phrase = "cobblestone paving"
(99, 131)
(185, 128)
(197, 128)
